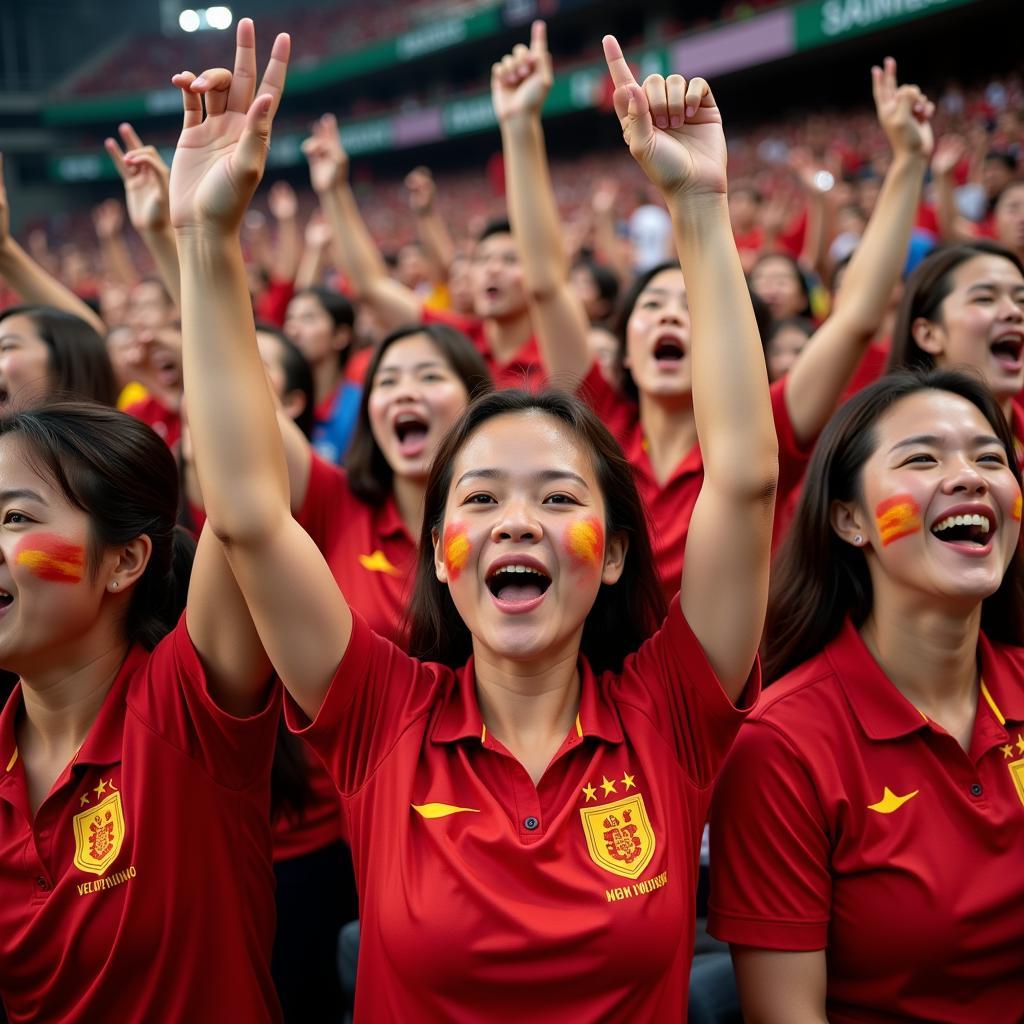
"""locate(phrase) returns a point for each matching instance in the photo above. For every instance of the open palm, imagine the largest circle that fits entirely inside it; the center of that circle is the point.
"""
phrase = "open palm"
(219, 160)
(672, 126)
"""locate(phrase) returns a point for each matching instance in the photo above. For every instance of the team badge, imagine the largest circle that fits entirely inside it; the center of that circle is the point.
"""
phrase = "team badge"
(1017, 773)
(99, 833)
(619, 836)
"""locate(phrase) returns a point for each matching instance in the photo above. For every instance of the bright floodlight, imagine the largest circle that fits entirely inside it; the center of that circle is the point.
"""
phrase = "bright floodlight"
(218, 17)
(188, 21)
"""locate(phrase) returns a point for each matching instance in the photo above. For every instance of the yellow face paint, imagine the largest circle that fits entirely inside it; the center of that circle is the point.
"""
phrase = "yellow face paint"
(1015, 511)
(456, 549)
(585, 541)
(898, 516)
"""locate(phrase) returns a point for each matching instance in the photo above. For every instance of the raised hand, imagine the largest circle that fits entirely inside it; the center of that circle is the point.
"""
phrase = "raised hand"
(521, 80)
(673, 128)
(419, 184)
(328, 161)
(605, 198)
(146, 179)
(951, 149)
(220, 159)
(318, 231)
(108, 218)
(282, 201)
(904, 112)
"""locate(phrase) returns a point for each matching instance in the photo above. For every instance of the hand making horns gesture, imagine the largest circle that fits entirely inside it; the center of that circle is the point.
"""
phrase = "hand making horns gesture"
(672, 126)
(220, 159)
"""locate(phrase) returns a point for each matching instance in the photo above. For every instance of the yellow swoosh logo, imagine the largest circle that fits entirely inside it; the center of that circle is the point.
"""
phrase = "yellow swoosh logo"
(442, 810)
(891, 802)
(378, 562)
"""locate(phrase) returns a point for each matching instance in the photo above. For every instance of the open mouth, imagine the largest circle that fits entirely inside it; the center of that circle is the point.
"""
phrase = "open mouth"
(668, 350)
(1009, 350)
(976, 530)
(5, 396)
(411, 431)
(6, 599)
(492, 292)
(517, 584)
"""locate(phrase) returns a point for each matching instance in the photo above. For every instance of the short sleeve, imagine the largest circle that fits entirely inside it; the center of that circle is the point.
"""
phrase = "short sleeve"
(377, 693)
(771, 883)
(325, 492)
(671, 681)
(615, 410)
(793, 457)
(174, 700)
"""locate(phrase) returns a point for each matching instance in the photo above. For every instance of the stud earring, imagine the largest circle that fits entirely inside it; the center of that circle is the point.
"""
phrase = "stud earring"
(114, 585)
(856, 540)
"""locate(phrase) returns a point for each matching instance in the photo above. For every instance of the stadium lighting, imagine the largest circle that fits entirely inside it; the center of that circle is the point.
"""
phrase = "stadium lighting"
(188, 21)
(219, 17)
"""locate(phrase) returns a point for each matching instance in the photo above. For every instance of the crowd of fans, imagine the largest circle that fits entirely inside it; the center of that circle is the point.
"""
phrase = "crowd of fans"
(488, 490)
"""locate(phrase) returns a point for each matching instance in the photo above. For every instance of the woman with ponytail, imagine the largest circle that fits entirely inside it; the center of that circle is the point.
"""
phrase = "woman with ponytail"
(135, 748)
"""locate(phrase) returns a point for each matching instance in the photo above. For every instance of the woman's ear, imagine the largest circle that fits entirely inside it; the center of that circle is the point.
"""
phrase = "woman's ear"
(127, 563)
(294, 404)
(440, 569)
(614, 557)
(929, 336)
(848, 522)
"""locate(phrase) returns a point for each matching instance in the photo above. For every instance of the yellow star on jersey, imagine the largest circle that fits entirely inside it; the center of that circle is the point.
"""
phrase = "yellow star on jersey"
(83, 800)
(607, 785)
(627, 781)
(101, 788)
(589, 792)
(1020, 743)
(1007, 751)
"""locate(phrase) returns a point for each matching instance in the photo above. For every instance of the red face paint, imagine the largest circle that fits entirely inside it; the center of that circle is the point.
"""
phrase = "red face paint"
(1015, 511)
(585, 541)
(51, 558)
(898, 516)
(456, 549)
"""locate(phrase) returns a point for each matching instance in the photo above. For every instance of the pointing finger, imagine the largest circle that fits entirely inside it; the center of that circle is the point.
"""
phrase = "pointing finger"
(539, 38)
(617, 66)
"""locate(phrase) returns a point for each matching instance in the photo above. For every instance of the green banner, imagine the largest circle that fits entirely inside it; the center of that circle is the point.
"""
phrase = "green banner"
(828, 21)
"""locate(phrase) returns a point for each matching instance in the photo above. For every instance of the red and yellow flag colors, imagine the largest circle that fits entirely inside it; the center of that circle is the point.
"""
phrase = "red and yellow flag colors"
(52, 558)
(1015, 511)
(898, 516)
(456, 549)
(585, 541)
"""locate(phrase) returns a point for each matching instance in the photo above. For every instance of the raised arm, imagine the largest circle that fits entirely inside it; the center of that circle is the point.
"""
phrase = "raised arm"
(948, 154)
(520, 83)
(674, 130)
(822, 372)
(29, 279)
(433, 233)
(146, 177)
(360, 259)
(300, 615)
(287, 251)
(108, 220)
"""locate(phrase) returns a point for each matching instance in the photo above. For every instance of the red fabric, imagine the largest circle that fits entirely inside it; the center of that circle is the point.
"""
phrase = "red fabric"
(369, 550)
(320, 823)
(920, 905)
(928, 219)
(751, 241)
(524, 370)
(670, 505)
(179, 924)
(166, 422)
(497, 907)
(357, 365)
(272, 303)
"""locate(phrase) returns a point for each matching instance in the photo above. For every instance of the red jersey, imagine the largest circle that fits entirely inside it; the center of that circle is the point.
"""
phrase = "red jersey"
(524, 370)
(141, 889)
(845, 820)
(166, 422)
(272, 303)
(670, 505)
(485, 897)
(368, 548)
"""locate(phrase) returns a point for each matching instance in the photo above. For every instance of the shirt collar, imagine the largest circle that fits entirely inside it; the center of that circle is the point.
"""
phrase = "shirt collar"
(388, 522)
(460, 717)
(104, 741)
(885, 714)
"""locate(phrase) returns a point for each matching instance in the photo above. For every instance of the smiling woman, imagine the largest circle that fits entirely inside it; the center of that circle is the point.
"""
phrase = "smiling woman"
(886, 756)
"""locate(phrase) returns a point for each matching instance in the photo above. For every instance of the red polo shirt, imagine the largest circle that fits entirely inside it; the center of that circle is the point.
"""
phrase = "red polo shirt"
(142, 888)
(368, 547)
(524, 370)
(844, 820)
(486, 898)
(670, 504)
(166, 422)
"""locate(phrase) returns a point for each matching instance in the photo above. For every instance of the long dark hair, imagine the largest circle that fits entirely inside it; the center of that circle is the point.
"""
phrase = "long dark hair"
(297, 374)
(123, 476)
(818, 579)
(624, 614)
(926, 289)
(79, 364)
(370, 476)
(339, 309)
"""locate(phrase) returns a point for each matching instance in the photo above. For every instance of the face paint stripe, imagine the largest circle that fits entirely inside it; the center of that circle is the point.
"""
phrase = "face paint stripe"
(52, 559)
(456, 550)
(1015, 511)
(585, 541)
(896, 517)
